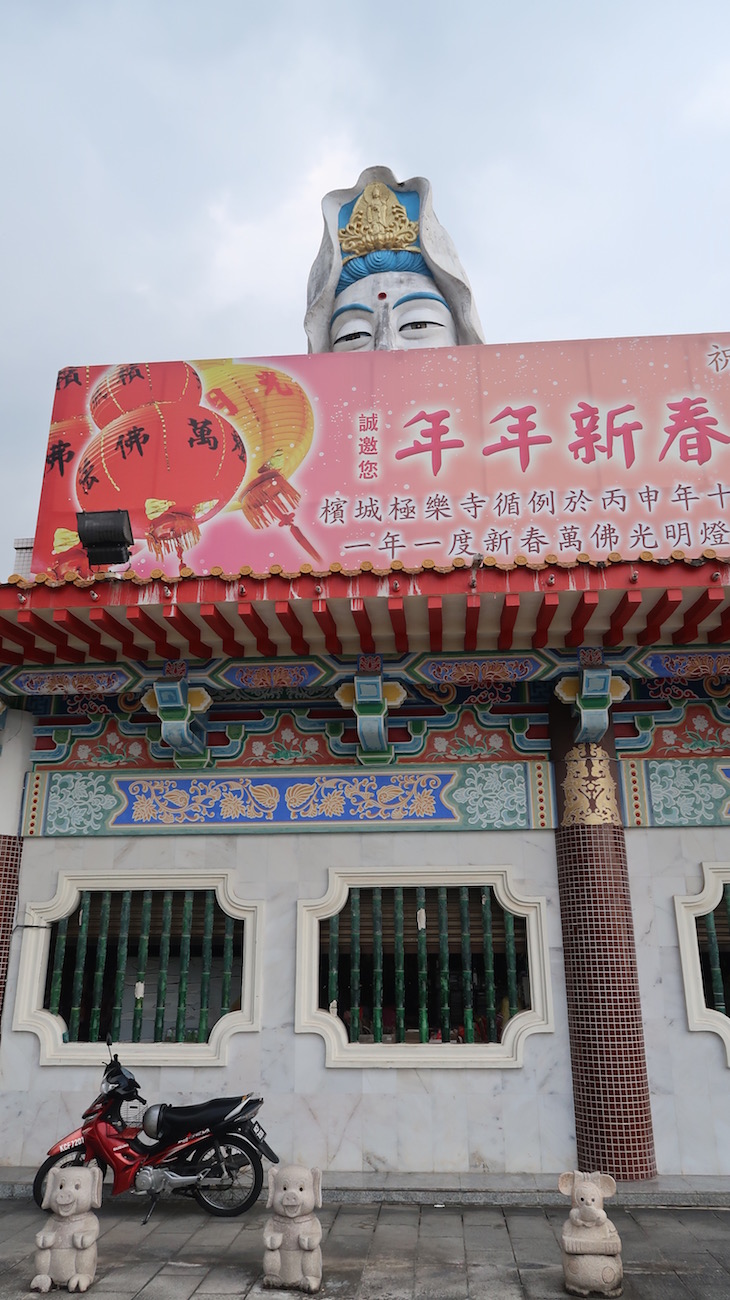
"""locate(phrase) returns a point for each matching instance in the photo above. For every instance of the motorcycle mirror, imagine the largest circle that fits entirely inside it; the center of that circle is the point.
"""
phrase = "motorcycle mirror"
(109, 1041)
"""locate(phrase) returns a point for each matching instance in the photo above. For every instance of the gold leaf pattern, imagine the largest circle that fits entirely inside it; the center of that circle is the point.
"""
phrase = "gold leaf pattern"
(589, 788)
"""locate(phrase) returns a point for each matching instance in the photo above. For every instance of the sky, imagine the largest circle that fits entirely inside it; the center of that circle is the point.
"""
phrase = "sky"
(164, 163)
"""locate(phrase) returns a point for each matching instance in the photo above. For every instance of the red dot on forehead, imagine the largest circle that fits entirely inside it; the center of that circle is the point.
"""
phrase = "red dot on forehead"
(381, 296)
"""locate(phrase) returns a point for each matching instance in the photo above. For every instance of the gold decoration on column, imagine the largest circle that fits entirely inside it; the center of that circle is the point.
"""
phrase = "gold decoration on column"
(589, 788)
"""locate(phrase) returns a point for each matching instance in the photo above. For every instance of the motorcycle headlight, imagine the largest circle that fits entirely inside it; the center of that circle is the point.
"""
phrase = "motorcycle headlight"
(107, 1085)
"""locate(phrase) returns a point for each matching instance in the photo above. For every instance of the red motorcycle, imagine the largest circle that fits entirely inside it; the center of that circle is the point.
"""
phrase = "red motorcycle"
(211, 1151)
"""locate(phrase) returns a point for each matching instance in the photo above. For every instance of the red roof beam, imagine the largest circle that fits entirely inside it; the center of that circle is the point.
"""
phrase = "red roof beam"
(622, 615)
(546, 613)
(141, 621)
(185, 627)
(582, 615)
(257, 628)
(218, 624)
(9, 656)
(707, 603)
(471, 623)
(435, 624)
(26, 641)
(361, 619)
(722, 631)
(325, 619)
(102, 619)
(508, 618)
(658, 615)
(53, 635)
(74, 626)
(292, 626)
(398, 620)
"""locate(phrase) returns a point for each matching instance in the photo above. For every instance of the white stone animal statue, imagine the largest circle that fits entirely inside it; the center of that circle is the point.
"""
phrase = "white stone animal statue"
(590, 1243)
(292, 1254)
(66, 1254)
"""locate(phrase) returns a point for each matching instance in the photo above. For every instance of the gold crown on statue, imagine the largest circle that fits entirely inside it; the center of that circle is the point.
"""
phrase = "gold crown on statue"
(378, 222)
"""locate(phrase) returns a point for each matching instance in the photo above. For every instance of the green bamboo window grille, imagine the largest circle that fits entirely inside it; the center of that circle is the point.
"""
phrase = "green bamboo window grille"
(713, 937)
(144, 966)
(443, 964)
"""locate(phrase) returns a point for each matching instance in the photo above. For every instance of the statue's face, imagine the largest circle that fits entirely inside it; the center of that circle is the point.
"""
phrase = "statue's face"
(393, 310)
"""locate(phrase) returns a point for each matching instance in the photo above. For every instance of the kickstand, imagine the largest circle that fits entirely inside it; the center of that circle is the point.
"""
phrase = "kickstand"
(153, 1202)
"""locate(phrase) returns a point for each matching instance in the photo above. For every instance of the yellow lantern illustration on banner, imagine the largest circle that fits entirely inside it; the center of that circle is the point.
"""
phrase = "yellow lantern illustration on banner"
(274, 417)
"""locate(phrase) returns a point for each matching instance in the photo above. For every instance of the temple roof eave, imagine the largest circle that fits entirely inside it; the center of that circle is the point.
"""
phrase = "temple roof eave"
(467, 609)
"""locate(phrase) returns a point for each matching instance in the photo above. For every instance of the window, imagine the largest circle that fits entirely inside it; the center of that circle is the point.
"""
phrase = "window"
(169, 972)
(144, 966)
(423, 968)
(703, 923)
(424, 965)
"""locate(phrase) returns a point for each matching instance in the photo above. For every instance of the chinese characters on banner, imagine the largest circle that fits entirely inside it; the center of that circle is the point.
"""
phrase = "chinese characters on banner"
(522, 453)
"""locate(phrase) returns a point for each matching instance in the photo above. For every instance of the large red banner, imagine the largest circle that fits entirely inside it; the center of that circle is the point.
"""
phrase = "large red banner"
(522, 453)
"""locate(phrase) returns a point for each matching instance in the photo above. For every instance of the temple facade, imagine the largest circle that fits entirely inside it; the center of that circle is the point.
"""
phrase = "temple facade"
(388, 772)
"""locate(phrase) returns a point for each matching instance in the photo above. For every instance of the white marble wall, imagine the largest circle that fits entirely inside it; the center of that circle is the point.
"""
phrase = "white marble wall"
(688, 1072)
(513, 1121)
(16, 742)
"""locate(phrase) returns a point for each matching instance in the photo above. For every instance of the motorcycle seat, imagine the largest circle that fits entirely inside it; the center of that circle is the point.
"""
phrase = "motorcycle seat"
(171, 1123)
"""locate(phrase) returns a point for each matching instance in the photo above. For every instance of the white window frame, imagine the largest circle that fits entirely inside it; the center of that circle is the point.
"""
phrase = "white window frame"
(30, 1016)
(310, 1018)
(700, 1017)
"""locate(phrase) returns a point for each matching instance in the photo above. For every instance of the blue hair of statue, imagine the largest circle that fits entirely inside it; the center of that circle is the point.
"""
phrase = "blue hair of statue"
(382, 260)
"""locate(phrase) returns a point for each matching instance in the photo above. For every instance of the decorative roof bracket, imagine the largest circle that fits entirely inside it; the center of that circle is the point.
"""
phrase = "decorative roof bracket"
(370, 698)
(181, 710)
(591, 696)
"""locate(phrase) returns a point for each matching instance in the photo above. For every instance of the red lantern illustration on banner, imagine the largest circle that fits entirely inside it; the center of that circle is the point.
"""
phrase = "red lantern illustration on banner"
(61, 551)
(127, 388)
(275, 419)
(171, 466)
(72, 394)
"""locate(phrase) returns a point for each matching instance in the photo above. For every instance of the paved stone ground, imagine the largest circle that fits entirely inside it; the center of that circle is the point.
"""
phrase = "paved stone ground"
(381, 1252)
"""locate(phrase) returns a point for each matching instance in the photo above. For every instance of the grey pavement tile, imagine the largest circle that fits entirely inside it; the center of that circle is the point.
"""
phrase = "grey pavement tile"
(493, 1282)
(664, 1285)
(226, 1279)
(399, 1213)
(130, 1275)
(388, 1286)
(441, 1283)
(542, 1283)
(220, 1232)
(495, 1255)
(441, 1223)
(705, 1283)
(385, 1236)
(705, 1225)
(337, 1286)
(173, 1284)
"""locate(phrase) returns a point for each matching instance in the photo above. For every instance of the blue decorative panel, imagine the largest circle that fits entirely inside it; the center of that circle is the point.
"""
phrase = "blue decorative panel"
(489, 796)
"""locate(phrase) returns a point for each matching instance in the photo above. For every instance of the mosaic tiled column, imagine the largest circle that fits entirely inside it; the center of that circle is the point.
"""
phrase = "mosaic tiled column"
(10, 850)
(610, 1084)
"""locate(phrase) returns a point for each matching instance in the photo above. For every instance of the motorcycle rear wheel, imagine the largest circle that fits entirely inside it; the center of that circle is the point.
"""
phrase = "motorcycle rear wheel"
(62, 1158)
(244, 1165)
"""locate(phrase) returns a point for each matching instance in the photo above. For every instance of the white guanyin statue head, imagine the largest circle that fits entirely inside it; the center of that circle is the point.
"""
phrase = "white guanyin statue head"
(387, 275)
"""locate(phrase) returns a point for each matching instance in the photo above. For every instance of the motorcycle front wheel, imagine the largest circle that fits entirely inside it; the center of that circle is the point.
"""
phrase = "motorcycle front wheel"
(62, 1159)
(245, 1176)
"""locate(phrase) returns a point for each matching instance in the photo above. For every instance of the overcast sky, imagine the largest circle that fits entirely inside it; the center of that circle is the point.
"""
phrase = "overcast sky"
(164, 162)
